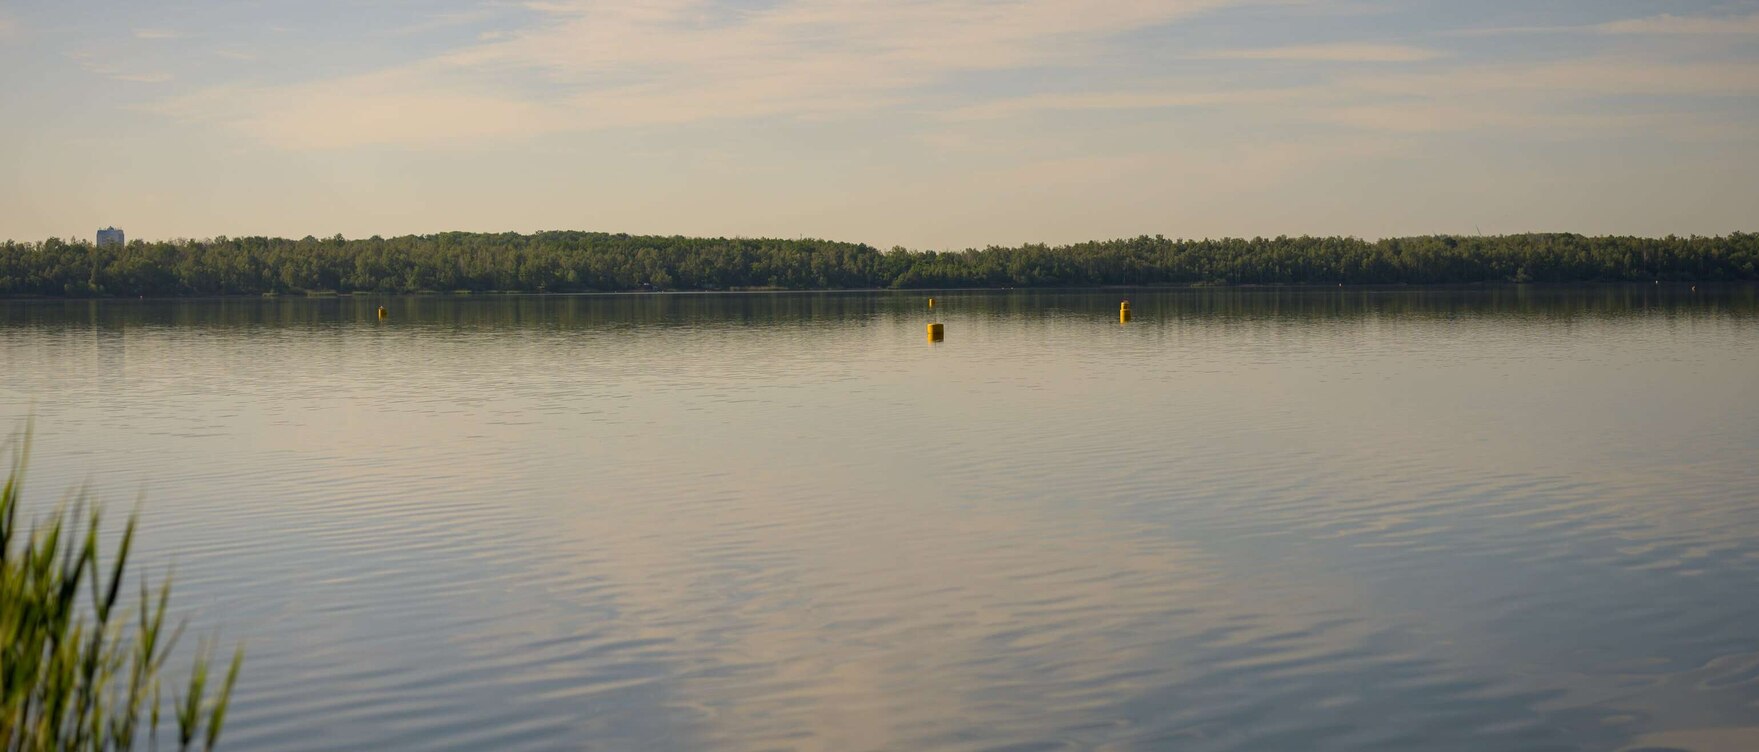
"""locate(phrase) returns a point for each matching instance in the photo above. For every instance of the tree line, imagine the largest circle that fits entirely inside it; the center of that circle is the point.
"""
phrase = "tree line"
(606, 262)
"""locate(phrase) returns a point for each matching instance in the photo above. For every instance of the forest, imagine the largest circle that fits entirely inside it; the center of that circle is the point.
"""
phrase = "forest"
(458, 262)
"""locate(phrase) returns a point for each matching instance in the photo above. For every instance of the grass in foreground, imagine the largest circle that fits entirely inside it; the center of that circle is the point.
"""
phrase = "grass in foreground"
(79, 675)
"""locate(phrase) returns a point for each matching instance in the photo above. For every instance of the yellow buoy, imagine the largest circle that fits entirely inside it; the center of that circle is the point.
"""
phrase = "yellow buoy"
(931, 302)
(1124, 315)
(382, 312)
(936, 332)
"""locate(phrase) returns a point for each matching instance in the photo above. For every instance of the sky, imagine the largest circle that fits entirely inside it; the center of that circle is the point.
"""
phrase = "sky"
(931, 124)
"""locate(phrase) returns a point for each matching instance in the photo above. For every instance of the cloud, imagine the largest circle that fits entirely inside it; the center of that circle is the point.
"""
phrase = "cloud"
(402, 107)
(1342, 53)
(157, 34)
(1666, 24)
(1127, 100)
(1608, 76)
(141, 77)
(8, 27)
(1499, 31)
(581, 66)
(1455, 117)
(611, 63)
(1671, 24)
(450, 20)
(90, 62)
(1564, 98)
(1561, 98)
(923, 35)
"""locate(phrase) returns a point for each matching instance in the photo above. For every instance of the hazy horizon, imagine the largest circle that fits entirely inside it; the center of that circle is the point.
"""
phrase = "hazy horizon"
(935, 124)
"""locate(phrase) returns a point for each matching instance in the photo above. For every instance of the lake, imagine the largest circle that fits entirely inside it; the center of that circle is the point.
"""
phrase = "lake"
(1502, 519)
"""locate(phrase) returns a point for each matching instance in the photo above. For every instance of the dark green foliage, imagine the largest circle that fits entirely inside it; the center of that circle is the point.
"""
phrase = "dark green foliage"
(588, 262)
(79, 675)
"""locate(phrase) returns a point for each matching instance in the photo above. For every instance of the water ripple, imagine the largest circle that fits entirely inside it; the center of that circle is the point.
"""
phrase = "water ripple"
(1245, 521)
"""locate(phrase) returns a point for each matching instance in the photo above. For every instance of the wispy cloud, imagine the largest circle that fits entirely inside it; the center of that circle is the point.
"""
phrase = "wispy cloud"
(1341, 53)
(93, 64)
(1671, 24)
(1127, 100)
(1662, 25)
(452, 19)
(1561, 98)
(1500, 31)
(406, 107)
(581, 66)
(1607, 76)
(625, 62)
(157, 34)
(142, 77)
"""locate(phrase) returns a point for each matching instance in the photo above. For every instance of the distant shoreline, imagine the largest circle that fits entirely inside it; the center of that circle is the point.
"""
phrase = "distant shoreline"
(598, 263)
(1674, 287)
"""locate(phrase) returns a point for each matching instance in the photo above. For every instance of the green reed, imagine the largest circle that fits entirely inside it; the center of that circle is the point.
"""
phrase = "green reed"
(86, 675)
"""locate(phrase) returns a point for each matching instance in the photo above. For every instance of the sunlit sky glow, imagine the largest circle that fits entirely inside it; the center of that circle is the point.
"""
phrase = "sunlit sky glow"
(926, 123)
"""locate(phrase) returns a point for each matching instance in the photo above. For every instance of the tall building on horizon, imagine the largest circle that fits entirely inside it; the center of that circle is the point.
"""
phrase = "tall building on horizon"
(109, 236)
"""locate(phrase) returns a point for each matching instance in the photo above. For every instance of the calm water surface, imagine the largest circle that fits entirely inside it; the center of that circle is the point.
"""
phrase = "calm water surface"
(1503, 520)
